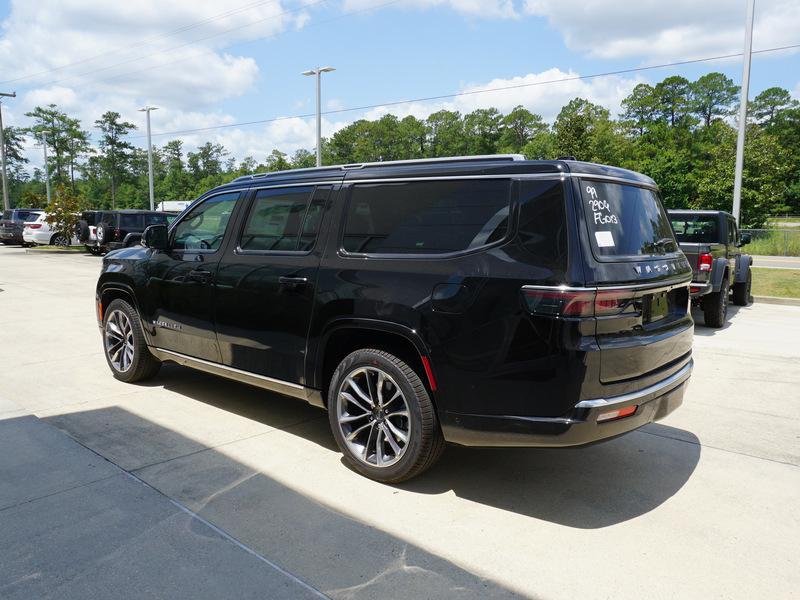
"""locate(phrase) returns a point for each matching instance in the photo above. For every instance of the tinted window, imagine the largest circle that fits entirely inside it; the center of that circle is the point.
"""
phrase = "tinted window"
(26, 215)
(89, 217)
(204, 227)
(7, 214)
(542, 227)
(107, 217)
(128, 221)
(697, 229)
(275, 219)
(625, 220)
(151, 219)
(426, 217)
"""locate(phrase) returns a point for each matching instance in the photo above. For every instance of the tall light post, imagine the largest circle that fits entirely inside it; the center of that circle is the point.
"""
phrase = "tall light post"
(746, 59)
(318, 72)
(46, 164)
(147, 110)
(6, 205)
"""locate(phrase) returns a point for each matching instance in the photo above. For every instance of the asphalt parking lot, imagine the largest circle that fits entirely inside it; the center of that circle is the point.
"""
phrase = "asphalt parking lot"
(197, 486)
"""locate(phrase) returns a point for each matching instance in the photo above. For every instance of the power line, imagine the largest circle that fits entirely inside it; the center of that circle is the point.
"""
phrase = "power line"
(146, 41)
(475, 92)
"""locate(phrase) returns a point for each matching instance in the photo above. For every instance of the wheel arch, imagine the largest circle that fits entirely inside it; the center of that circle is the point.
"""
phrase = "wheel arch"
(719, 272)
(343, 337)
(743, 264)
(109, 291)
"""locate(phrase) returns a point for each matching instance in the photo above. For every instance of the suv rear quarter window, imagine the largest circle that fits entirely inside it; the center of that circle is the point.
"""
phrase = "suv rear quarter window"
(129, 221)
(426, 217)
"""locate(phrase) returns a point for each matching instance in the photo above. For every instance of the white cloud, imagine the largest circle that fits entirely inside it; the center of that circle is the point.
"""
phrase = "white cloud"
(503, 9)
(676, 30)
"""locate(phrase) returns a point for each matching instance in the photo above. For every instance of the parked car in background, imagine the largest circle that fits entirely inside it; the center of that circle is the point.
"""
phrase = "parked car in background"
(40, 233)
(11, 224)
(711, 241)
(483, 301)
(105, 230)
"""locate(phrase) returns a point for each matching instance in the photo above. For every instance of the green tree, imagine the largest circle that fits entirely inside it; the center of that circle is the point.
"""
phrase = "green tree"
(303, 159)
(446, 134)
(277, 161)
(766, 106)
(115, 151)
(640, 109)
(518, 128)
(63, 211)
(577, 128)
(51, 127)
(713, 96)
(482, 128)
(674, 99)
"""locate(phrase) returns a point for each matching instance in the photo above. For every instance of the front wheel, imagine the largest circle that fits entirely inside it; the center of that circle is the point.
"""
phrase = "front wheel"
(742, 290)
(124, 346)
(382, 417)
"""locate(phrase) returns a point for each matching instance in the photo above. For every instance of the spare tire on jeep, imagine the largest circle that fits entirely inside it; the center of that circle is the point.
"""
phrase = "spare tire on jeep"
(82, 230)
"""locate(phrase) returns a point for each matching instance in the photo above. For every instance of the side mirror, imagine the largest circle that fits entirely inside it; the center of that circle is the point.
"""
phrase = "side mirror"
(745, 239)
(155, 237)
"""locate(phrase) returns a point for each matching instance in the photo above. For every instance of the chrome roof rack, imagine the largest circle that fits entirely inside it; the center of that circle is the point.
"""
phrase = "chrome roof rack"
(413, 161)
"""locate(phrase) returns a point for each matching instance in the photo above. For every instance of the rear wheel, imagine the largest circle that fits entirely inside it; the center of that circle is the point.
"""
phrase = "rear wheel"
(715, 306)
(124, 345)
(742, 290)
(382, 417)
(59, 239)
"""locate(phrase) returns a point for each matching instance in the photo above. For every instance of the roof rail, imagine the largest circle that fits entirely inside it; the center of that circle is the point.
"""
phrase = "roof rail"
(412, 161)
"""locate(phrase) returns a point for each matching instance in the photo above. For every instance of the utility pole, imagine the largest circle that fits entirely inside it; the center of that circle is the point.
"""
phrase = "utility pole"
(46, 165)
(6, 205)
(746, 59)
(147, 110)
(318, 72)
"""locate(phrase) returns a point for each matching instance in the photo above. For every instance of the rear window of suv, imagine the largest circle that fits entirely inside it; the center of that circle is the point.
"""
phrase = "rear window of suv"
(625, 220)
(426, 217)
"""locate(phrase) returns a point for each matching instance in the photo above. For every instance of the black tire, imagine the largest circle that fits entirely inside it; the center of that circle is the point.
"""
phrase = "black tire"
(742, 290)
(82, 231)
(715, 306)
(425, 441)
(59, 237)
(142, 365)
(102, 232)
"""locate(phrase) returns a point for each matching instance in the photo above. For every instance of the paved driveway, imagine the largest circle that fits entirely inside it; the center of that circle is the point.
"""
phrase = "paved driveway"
(701, 505)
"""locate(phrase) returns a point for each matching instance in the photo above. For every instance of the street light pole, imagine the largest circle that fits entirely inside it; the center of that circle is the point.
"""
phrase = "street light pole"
(46, 165)
(147, 110)
(6, 205)
(318, 73)
(748, 47)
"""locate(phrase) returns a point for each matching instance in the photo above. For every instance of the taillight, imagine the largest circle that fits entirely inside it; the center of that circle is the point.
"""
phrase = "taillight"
(566, 302)
(34, 225)
(116, 234)
(704, 262)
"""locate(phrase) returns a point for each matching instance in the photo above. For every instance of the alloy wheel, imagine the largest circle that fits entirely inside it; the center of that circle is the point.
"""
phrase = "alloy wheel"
(373, 416)
(119, 341)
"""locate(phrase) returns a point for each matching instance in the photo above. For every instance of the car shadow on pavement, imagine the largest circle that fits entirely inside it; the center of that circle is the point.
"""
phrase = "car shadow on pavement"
(699, 322)
(588, 488)
(334, 552)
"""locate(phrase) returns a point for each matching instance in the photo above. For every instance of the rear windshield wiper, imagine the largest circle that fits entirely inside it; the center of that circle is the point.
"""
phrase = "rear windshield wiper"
(662, 243)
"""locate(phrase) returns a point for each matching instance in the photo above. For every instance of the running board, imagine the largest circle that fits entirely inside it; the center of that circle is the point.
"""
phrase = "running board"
(286, 388)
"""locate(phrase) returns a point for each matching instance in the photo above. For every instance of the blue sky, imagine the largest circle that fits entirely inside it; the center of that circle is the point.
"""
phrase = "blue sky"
(241, 61)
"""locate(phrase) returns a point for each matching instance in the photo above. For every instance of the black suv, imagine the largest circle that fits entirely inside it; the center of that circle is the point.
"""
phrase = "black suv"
(484, 301)
(104, 230)
(13, 221)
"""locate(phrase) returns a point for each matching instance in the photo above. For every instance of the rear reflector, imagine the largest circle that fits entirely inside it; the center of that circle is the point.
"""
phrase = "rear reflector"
(566, 302)
(704, 262)
(617, 414)
(426, 364)
(694, 289)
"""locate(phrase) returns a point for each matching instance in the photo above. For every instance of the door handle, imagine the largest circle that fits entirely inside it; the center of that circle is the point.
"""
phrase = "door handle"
(199, 275)
(292, 282)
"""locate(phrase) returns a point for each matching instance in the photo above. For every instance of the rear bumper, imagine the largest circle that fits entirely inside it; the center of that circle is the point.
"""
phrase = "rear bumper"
(581, 427)
(697, 289)
(11, 236)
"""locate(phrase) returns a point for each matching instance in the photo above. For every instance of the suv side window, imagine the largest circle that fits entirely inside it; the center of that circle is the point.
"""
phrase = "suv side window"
(275, 220)
(426, 217)
(154, 219)
(130, 221)
(733, 233)
(202, 229)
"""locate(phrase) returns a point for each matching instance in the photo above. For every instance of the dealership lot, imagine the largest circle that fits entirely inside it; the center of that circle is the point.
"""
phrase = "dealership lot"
(701, 505)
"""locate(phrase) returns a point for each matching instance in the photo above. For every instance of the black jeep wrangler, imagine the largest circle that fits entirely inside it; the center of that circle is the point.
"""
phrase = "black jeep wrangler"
(711, 241)
(104, 230)
(482, 301)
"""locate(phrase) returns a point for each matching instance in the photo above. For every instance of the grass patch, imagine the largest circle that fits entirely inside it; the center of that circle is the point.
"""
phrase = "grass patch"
(785, 242)
(783, 283)
(57, 248)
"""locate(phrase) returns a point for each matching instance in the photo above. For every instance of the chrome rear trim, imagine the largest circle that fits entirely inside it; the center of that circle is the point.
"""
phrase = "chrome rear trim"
(672, 381)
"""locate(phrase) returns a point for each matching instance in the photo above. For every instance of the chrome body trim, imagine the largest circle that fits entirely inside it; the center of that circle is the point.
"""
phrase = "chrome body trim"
(672, 381)
(668, 284)
(287, 388)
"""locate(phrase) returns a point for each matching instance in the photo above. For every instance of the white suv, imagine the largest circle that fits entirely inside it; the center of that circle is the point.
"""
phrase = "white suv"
(39, 233)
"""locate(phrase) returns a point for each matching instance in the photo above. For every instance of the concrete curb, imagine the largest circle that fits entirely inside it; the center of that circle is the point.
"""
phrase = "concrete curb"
(48, 251)
(777, 300)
